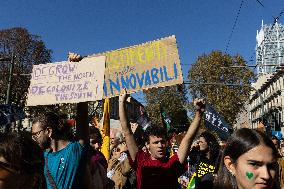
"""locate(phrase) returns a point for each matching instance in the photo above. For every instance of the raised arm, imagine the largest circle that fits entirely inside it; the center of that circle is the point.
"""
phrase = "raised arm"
(82, 126)
(191, 132)
(129, 137)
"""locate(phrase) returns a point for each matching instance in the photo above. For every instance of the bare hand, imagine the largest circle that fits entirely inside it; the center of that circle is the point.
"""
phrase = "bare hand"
(123, 96)
(73, 57)
(199, 104)
(123, 147)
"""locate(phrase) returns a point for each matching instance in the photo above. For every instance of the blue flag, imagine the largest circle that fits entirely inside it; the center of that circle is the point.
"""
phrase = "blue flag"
(215, 122)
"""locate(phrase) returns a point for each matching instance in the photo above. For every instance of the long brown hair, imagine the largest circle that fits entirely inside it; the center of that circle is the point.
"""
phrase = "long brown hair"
(239, 143)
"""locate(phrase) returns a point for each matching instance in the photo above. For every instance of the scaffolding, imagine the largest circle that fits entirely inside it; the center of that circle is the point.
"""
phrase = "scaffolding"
(269, 48)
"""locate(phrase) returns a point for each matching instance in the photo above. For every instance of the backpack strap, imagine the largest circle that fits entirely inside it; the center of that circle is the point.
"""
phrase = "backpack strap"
(49, 176)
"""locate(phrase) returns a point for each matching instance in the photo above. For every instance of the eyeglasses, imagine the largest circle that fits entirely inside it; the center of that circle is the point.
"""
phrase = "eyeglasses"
(35, 135)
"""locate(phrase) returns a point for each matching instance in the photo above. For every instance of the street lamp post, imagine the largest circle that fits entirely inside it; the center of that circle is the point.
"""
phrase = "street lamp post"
(8, 92)
(11, 68)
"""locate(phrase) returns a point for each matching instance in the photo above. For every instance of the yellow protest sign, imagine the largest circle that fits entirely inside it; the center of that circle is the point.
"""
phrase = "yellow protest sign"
(139, 67)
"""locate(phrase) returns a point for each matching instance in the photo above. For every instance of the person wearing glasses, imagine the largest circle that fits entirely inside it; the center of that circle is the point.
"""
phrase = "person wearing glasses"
(21, 162)
(65, 158)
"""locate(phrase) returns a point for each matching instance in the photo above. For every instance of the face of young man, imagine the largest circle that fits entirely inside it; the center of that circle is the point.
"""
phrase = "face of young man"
(157, 147)
(41, 136)
(254, 170)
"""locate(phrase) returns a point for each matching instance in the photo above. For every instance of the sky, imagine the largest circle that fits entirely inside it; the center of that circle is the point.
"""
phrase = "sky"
(93, 26)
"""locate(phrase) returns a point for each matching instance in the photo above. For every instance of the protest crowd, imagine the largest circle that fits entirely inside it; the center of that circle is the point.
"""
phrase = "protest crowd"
(53, 157)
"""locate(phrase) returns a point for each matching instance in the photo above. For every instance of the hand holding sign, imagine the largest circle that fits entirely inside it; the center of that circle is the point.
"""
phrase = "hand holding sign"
(73, 57)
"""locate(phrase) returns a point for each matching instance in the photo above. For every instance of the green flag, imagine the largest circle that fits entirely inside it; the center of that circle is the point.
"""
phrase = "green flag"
(191, 183)
(166, 119)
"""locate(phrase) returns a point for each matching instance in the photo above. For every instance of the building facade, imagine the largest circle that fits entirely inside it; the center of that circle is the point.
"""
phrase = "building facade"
(269, 48)
(266, 102)
(243, 119)
(133, 108)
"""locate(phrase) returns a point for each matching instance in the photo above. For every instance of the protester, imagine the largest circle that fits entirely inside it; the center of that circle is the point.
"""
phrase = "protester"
(96, 143)
(119, 169)
(115, 138)
(276, 143)
(281, 165)
(281, 172)
(154, 169)
(21, 162)
(249, 161)
(98, 163)
(204, 160)
(282, 150)
(65, 159)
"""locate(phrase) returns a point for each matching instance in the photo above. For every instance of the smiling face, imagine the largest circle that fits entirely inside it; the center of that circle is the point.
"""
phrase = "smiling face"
(255, 169)
(157, 147)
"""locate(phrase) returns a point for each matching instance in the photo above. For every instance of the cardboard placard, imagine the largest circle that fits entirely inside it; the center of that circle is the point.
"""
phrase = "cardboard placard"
(140, 67)
(67, 82)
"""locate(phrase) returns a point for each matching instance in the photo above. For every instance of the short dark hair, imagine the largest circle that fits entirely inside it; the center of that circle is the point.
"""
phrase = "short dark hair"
(273, 137)
(61, 129)
(154, 130)
(96, 134)
(239, 143)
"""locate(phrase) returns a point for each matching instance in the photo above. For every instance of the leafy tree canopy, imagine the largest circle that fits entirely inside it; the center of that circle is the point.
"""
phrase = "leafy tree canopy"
(27, 49)
(172, 99)
(216, 67)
